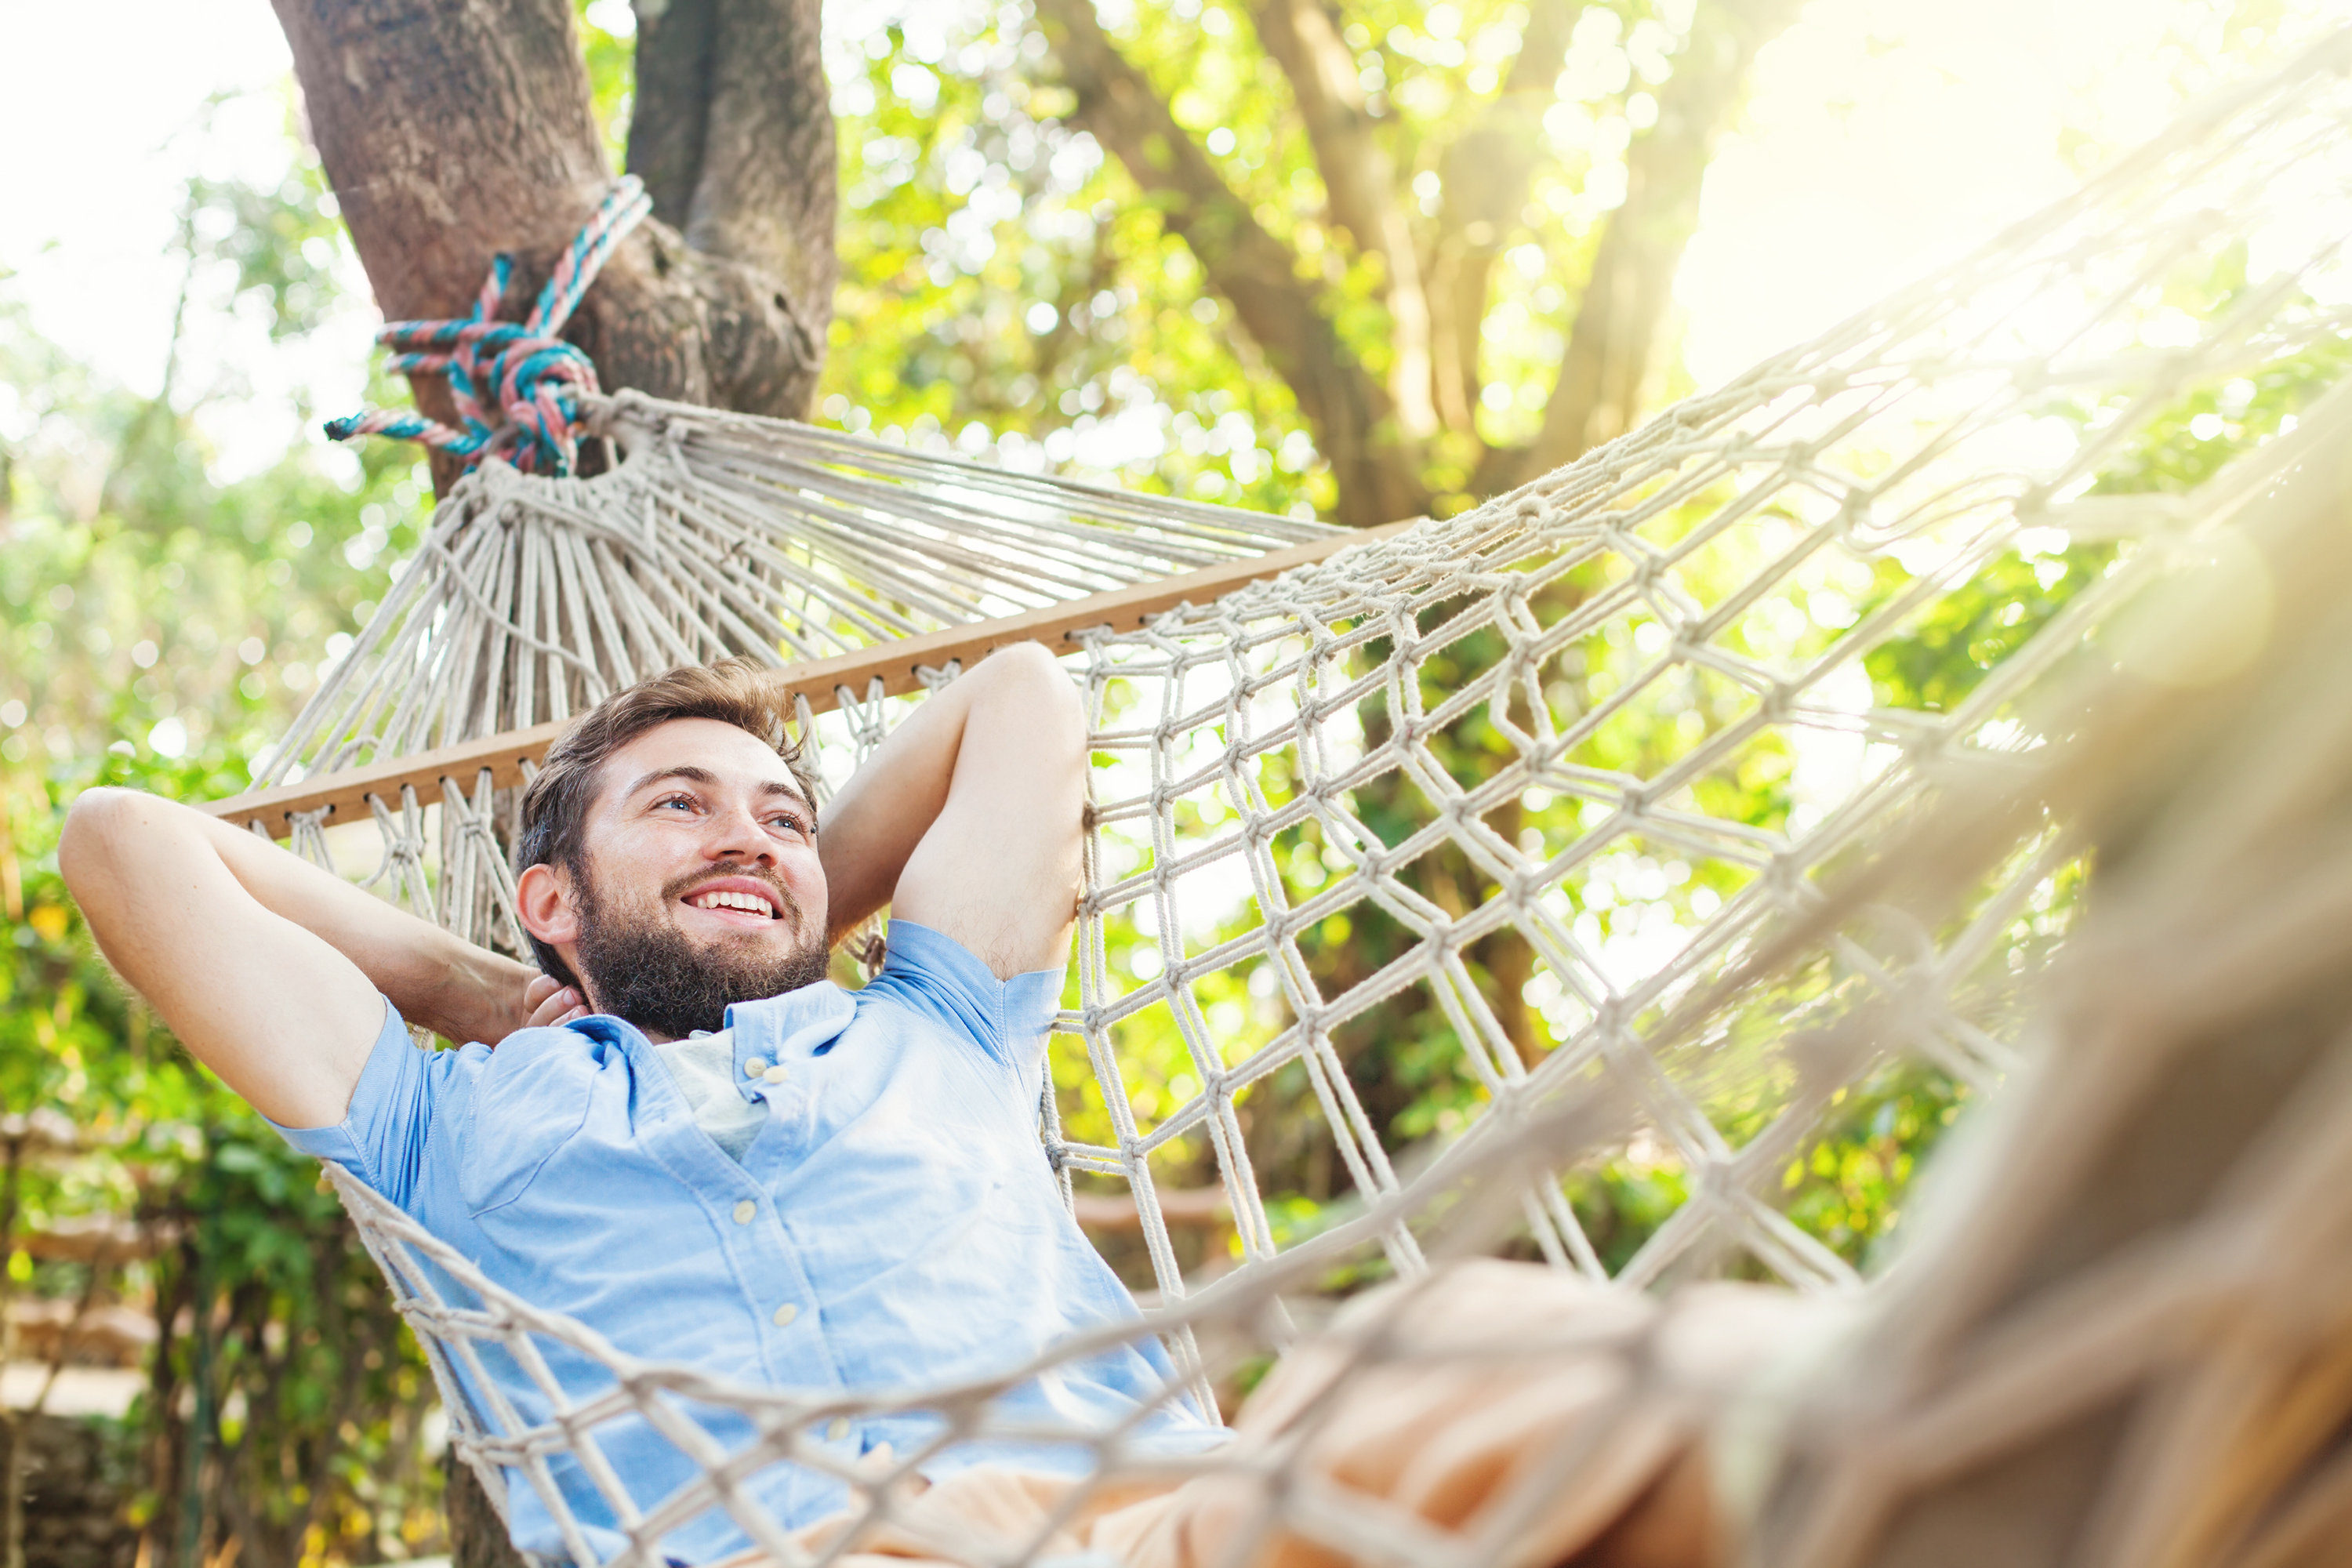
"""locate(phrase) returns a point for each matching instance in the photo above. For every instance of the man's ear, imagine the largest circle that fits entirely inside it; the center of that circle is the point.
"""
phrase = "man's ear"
(543, 902)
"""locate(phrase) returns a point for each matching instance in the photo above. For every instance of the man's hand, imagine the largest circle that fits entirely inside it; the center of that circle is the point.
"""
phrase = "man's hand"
(549, 1004)
(967, 818)
(267, 968)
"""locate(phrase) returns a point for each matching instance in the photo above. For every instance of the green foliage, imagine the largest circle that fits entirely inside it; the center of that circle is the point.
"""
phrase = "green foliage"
(161, 620)
(1003, 280)
(607, 35)
(146, 595)
(286, 1400)
(283, 243)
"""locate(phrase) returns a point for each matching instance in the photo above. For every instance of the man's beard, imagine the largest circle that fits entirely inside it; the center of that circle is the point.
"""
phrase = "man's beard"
(642, 967)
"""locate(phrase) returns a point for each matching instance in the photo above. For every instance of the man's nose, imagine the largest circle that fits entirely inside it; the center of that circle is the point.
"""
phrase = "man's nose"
(737, 832)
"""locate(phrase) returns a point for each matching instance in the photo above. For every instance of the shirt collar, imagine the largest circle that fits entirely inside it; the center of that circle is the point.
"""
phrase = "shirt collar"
(787, 1029)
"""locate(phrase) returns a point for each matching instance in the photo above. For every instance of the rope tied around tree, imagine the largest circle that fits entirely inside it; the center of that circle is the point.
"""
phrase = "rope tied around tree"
(519, 387)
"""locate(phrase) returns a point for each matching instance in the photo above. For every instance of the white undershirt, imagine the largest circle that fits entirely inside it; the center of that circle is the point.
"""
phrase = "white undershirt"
(703, 1067)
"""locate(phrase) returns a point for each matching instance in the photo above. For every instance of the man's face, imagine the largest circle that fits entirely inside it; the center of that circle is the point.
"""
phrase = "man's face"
(702, 884)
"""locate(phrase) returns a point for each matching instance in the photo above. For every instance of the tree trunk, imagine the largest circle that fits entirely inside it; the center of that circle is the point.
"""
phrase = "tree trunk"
(1486, 174)
(1304, 37)
(1402, 443)
(1352, 415)
(477, 1538)
(453, 130)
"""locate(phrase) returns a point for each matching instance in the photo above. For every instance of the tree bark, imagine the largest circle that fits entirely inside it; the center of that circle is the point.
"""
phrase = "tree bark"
(669, 110)
(1487, 173)
(1352, 415)
(477, 1537)
(452, 130)
(1303, 37)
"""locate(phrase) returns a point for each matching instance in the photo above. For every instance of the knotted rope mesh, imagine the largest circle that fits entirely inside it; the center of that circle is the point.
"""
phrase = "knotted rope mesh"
(1483, 794)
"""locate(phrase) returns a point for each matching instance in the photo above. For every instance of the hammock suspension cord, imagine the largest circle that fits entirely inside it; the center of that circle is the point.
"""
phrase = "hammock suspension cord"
(520, 388)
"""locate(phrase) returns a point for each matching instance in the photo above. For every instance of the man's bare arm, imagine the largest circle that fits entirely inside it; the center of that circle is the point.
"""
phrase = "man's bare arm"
(267, 968)
(967, 818)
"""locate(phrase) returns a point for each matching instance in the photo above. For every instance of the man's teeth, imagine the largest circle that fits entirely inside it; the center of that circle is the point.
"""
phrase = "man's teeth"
(729, 901)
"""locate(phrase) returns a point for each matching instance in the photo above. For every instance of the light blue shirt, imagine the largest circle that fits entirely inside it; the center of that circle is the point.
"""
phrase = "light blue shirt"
(903, 1223)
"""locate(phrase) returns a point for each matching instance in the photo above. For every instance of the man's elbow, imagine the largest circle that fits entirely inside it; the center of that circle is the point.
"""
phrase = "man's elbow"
(86, 832)
(90, 846)
(1029, 681)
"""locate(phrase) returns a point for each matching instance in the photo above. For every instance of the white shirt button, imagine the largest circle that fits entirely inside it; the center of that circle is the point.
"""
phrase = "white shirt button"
(754, 1065)
(744, 1211)
(785, 1314)
(777, 1074)
(837, 1428)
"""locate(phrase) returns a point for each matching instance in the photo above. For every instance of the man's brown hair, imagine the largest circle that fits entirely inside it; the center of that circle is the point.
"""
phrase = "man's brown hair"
(555, 807)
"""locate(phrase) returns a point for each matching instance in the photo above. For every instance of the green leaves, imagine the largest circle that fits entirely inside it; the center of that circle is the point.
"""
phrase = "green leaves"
(147, 602)
(281, 242)
(160, 620)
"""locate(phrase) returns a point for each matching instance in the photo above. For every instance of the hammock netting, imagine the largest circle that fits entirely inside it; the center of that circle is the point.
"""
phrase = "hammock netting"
(1491, 782)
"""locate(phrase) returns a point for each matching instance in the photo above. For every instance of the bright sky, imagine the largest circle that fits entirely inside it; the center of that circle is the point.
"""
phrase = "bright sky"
(1884, 134)
(104, 133)
(1887, 135)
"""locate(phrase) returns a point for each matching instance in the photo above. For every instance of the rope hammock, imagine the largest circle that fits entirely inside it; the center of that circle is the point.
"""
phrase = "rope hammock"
(1589, 927)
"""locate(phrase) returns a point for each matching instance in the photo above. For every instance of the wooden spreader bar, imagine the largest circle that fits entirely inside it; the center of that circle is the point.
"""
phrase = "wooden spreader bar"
(344, 793)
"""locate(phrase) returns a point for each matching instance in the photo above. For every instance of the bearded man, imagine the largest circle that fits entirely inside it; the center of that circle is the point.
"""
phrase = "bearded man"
(688, 1138)
(685, 1136)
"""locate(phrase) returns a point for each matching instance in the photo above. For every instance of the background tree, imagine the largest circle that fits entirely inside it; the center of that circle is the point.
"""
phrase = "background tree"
(452, 132)
(1449, 233)
(1422, 142)
(158, 624)
(1446, 233)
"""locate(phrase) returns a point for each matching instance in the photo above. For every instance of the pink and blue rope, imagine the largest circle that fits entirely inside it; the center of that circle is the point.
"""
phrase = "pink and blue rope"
(516, 384)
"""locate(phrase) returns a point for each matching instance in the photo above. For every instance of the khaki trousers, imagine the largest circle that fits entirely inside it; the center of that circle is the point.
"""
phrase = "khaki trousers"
(1505, 1408)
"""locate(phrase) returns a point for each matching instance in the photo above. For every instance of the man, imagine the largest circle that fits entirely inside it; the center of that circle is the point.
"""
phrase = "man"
(689, 1139)
(686, 1137)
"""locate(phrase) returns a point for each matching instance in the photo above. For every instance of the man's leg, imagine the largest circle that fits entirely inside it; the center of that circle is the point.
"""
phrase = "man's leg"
(1509, 1409)
(1520, 1415)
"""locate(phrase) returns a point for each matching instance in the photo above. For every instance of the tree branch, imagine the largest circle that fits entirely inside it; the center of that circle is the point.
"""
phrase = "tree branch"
(766, 197)
(1302, 36)
(1258, 275)
(1486, 174)
(739, 127)
(1609, 349)
(670, 103)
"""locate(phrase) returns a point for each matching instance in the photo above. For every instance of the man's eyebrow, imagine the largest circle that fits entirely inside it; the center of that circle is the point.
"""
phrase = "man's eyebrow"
(693, 774)
(790, 791)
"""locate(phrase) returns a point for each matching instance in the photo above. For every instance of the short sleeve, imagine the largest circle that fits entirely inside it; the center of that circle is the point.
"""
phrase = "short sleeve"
(380, 1139)
(937, 975)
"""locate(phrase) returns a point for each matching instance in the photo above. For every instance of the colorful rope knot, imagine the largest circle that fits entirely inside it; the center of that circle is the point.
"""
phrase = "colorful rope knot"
(516, 384)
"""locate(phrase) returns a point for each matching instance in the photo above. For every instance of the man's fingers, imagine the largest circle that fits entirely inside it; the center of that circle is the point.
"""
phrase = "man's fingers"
(555, 1007)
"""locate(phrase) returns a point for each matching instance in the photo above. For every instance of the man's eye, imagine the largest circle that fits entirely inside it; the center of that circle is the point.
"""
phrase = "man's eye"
(684, 801)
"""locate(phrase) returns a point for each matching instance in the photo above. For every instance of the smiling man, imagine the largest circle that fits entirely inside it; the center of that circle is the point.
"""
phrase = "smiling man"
(686, 1137)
